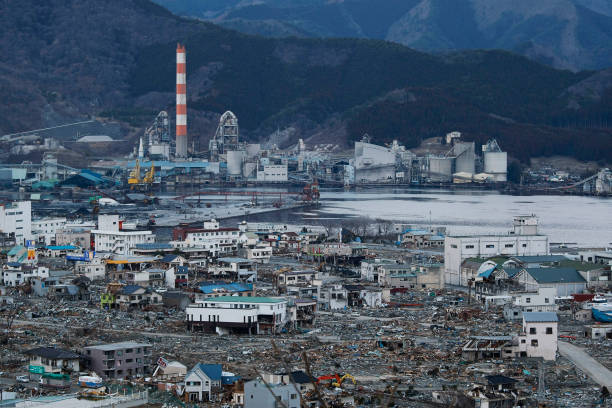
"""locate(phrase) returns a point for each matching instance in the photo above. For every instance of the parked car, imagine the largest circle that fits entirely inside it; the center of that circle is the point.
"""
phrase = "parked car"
(23, 378)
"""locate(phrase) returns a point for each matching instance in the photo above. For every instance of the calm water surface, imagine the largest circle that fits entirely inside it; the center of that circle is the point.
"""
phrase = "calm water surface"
(570, 219)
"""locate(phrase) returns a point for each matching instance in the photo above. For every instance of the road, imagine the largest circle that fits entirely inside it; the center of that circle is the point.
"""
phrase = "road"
(19, 323)
(591, 367)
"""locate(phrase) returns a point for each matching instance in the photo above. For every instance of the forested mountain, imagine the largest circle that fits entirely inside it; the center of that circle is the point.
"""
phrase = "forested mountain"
(116, 59)
(572, 34)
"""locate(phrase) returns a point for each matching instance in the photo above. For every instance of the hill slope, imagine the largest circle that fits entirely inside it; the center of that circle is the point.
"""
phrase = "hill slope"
(116, 59)
(572, 34)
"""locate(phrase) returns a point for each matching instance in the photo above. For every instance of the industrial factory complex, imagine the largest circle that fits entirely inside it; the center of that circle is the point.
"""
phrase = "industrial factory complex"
(164, 157)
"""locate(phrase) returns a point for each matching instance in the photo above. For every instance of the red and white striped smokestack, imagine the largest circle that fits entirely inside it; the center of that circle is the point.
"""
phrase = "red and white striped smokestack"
(181, 102)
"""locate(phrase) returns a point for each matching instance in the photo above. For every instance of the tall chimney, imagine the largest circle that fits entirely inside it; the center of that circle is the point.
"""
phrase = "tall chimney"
(181, 102)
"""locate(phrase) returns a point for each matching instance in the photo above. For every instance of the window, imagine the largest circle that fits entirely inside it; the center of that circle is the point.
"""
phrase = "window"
(527, 300)
(534, 343)
(524, 245)
(453, 246)
(532, 330)
(546, 300)
(490, 246)
(469, 247)
(293, 396)
(523, 341)
(549, 330)
(509, 246)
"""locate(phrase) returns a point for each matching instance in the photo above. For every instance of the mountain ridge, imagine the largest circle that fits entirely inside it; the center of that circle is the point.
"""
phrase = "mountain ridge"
(331, 90)
(568, 34)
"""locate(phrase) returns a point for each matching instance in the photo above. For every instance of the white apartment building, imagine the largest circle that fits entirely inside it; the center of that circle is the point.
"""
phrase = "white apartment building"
(333, 297)
(539, 335)
(110, 237)
(18, 276)
(44, 230)
(94, 269)
(238, 314)
(375, 270)
(523, 240)
(260, 253)
(542, 301)
(273, 173)
(16, 218)
(211, 238)
(304, 277)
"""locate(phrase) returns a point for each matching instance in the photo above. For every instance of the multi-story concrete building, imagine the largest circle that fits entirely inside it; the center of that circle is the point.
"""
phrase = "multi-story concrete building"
(44, 230)
(238, 314)
(215, 240)
(111, 237)
(333, 297)
(16, 218)
(17, 275)
(417, 276)
(305, 277)
(271, 173)
(119, 360)
(541, 301)
(523, 240)
(375, 270)
(539, 335)
(79, 237)
(236, 268)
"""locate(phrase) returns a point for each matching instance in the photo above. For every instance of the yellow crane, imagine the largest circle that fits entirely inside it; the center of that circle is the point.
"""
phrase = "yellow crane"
(150, 175)
(135, 174)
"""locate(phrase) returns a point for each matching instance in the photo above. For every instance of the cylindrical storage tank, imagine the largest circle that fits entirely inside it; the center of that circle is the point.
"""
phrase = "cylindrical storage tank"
(440, 168)
(234, 162)
(496, 162)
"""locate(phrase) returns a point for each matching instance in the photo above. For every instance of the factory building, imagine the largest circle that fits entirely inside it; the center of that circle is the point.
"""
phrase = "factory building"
(523, 240)
(272, 173)
(394, 164)
(155, 144)
(226, 137)
(373, 163)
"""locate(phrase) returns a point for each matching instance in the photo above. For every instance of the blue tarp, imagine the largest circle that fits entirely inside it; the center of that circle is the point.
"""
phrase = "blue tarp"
(231, 287)
(487, 273)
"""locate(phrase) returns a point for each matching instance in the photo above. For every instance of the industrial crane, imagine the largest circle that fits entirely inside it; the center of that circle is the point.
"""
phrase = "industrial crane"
(135, 175)
(150, 175)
